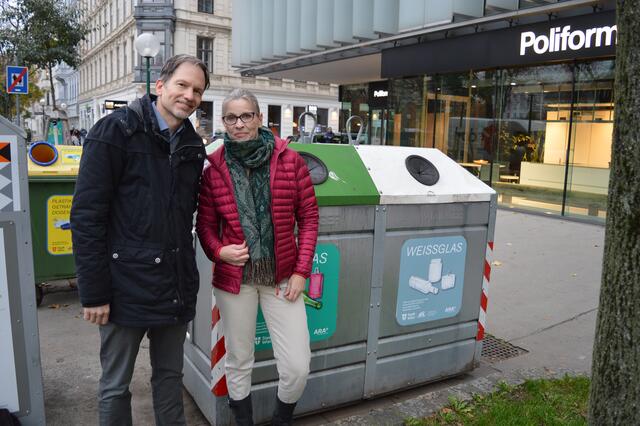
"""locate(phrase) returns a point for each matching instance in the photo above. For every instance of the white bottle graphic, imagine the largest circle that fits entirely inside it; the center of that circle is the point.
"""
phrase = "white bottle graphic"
(448, 281)
(422, 285)
(435, 270)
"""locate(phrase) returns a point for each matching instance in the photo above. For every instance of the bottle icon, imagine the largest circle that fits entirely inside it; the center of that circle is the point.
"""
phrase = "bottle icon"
(435, 270)
(316, 304)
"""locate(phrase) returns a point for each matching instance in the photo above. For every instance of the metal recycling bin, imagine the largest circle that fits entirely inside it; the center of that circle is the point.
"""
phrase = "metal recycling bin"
(53, 171)
(434, 227)
(337, 307)
(388, 320)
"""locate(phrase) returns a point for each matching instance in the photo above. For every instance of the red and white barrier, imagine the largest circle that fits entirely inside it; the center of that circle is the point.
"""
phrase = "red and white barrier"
(484, 298)
(218, 352)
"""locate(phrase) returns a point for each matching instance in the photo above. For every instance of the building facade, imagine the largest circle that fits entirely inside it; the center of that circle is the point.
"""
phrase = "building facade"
(112, 72)
(520, 93)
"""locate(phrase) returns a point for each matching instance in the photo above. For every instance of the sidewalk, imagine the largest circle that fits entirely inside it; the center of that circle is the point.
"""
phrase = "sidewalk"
(543, 298)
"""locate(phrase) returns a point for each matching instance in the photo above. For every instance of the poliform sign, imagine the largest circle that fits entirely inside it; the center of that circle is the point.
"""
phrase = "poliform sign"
(561, 39)
(579, 37)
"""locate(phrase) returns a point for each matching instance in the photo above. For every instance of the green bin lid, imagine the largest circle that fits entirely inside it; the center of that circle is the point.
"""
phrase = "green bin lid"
(348, 182)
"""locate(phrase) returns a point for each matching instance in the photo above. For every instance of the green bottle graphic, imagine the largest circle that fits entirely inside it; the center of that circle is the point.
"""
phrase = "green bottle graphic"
(309, 301)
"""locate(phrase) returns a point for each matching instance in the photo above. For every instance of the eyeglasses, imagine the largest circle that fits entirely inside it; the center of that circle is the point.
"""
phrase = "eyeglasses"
(232, 119)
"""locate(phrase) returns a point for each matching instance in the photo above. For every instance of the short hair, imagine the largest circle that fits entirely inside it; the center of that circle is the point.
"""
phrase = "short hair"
(172, 64)
(236, 94)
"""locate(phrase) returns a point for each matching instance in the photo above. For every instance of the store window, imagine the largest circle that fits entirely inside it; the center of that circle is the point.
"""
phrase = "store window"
(297, 111)
(354, 102)
(205, 6)
(591, 139)
(204, 120)
(205, 51)
(274, 115)
(406, 120)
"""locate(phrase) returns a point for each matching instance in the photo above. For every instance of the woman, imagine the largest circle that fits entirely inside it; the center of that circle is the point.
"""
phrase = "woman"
(253, 193)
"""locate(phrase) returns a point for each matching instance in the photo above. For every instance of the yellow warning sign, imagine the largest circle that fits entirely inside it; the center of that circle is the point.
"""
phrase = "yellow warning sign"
(58, 224)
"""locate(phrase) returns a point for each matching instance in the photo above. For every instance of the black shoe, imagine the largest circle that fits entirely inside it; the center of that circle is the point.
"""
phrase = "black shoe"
(242, 411)
(283, 414)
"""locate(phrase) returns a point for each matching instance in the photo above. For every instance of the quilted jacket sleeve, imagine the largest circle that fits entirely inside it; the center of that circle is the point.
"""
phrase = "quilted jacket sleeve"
(207, 222)
(306, 211)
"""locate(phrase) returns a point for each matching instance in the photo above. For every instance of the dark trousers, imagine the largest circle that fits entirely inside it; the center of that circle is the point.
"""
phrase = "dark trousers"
(118, 351)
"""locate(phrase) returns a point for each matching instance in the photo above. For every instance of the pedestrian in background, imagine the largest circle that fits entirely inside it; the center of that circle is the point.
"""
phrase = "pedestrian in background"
(131, 221)
(253, 193)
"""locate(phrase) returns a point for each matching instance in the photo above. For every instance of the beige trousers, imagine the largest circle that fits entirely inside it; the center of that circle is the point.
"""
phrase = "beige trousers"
(287, 324)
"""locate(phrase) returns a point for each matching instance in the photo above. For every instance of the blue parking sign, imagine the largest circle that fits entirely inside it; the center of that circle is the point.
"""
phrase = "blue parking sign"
(17, 80)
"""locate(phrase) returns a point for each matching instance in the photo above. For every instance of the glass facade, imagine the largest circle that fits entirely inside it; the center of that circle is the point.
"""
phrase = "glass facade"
(540, 136)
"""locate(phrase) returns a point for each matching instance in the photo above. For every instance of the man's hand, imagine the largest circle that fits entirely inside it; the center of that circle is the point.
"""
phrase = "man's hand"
(295, 286)
(97, 314)
(235, 254)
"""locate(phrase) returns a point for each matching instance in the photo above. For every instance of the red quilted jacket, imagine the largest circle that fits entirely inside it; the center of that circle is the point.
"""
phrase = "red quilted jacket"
(292, 200)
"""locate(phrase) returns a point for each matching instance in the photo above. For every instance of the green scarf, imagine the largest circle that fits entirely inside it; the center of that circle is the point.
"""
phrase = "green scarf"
(248, 164)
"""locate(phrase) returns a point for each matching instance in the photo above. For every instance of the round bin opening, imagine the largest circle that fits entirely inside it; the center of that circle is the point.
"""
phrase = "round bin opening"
(43, 153)
(422, 170)
(317, 169)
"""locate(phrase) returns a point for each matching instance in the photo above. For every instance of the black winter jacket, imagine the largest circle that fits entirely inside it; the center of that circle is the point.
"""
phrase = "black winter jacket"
(132, 219)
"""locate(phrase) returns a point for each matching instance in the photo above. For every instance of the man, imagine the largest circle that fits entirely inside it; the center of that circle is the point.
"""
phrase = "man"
(131, 221)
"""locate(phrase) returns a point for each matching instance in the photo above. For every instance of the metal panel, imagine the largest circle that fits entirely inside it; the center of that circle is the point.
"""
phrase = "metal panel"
(438, 12)
(18, 257)
(201, 336)
(385, 16)
(255, 32)
(240, 35)
(324, 27)
(293, 27)
(402, 371)
(502, 4)
(474, 265)
(324, 389)
(410, 14)
(363, 20)
(343, 21)
(308, 25)
(279, 28)
(267, 30)
(436, 216)
(472, 8)
(411, 342)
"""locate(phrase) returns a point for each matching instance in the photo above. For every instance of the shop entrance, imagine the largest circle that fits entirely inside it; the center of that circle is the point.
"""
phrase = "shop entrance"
(378, 126)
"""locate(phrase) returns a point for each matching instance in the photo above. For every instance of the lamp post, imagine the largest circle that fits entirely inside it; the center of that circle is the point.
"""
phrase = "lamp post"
(147, 46)
(44, 119)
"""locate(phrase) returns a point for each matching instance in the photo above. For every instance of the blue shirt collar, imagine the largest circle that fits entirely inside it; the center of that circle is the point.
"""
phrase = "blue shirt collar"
(162, 124)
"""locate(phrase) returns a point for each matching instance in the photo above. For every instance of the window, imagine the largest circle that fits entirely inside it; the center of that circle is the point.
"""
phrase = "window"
(205, 51)
(205, 6)
(124, 58)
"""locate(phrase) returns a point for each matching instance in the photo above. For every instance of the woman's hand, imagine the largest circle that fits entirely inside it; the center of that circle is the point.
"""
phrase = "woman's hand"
(295, 286)
(235, 254)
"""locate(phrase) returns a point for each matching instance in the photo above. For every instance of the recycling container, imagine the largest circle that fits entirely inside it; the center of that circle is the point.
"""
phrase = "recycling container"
(436, 226)
(53, 171)
(394, 295)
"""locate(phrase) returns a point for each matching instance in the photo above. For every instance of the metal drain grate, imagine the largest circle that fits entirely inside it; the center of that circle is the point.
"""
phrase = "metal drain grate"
(494, 349)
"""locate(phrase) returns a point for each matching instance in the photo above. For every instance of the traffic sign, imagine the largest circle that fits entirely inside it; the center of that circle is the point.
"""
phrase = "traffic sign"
(17, 80)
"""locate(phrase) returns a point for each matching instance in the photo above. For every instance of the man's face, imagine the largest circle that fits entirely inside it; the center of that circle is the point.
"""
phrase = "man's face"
(179, 96)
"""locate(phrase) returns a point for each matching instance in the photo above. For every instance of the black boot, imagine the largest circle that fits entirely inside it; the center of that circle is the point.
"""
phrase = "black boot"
(242, 411)
(283, 414)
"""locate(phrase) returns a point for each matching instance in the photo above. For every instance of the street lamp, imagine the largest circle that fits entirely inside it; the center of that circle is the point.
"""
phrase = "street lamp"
(147, 46)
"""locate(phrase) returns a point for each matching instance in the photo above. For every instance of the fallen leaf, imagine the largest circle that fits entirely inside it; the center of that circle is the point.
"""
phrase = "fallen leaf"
(496, 263)
(574, 275)
(54, 306)
(65, 305)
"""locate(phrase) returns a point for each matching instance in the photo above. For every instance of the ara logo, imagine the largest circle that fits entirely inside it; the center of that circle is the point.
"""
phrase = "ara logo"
(562, 38)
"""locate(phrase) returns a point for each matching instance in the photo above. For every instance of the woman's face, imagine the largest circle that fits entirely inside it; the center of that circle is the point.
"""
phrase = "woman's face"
(241, 121)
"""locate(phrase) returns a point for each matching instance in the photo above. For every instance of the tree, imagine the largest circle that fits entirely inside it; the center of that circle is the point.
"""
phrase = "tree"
(42, 34)
(615, 388)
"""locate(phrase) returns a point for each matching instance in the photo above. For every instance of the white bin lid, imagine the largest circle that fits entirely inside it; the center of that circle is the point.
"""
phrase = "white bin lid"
(386, 165)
